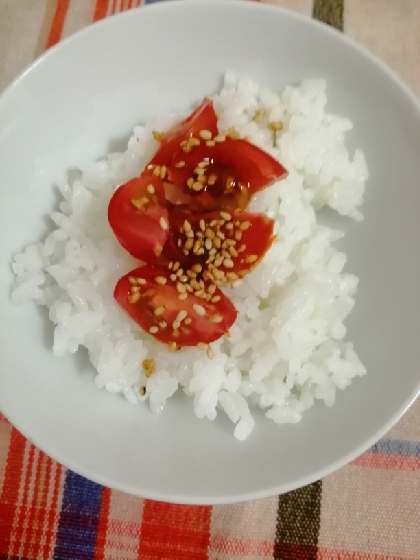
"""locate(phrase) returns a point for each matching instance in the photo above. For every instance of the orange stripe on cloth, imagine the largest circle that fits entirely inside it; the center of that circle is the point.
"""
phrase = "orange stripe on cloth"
(100, 9)
(174, 531)
(332, 554)
(11, 487)
(385, 461)
(58, 23)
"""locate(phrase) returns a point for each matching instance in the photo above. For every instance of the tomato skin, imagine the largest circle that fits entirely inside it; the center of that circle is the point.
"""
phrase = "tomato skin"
(250, 169)
(140, 231)
(154, 296)
(250, 236)
(202, 118)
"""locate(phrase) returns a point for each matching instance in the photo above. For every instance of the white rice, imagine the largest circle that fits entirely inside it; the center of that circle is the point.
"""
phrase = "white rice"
(286, 348)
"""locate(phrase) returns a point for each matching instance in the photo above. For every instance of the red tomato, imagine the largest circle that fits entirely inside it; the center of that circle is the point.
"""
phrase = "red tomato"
(229, 172)
(151, 298)
(202, 118)
(226, 245)
(138, 216)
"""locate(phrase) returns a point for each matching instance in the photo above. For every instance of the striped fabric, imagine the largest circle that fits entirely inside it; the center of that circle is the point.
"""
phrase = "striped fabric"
(369, 510)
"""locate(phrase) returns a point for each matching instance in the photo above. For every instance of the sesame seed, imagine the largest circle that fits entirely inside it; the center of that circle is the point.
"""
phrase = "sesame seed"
(141, 281)
(194, 142)
(205, 134)
(216, 319)
(188, 288)
(156, 171)
(157, 135)
(181, 316)
(180, 164)
(233, 252)
(189, 234)
(211, 289)
(183, 278)
(172, 346)
(220, 138)
(134, 297)
(163, 223)
(202, 179)
(251, 258)
(208, 244)
(153, 330)
(157, 250)
(163, 171)
(180, 272)
(150, 189)
(210, 143)
(200, 251)
(275, 126)
(163, 324)
(197, 186)
(241, 248)
(187, 226)
(203, 164)
(229, 226)
(197, 268)
(212, 179)
(236, 283)
(173, 277)
(202, 345)
(238, 235)
(225, 216)
(189, 243)
(183, 296)
(175, 326)
(159, 310)
(218, 261)
(245, 225)
(132, 280)
(210, 353)
(160, 280)
(175, 266)
(199, 171)
(181, 288)
(190, 182)
(197, 246)
(215, 299)
(199, 309)
(188, 320)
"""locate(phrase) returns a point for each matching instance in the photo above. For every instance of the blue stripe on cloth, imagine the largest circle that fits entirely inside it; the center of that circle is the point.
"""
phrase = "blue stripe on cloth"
(152, 1)
(78, 522)
(397, 447)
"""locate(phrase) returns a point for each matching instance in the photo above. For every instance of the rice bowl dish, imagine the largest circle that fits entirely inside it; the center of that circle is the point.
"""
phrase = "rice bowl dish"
(287, 348)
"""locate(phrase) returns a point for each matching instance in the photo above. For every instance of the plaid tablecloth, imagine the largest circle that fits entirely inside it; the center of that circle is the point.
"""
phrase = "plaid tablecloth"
(369, 510)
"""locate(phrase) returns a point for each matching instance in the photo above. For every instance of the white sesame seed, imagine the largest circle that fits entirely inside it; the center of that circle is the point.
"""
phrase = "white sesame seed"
(216, 319)
(163, 324)
(228, 263)
(199, 309)
(208, 244)
(205, 134)
(225, 216)
(141, 281)
(159, 310)
(134, 297)
(160, 280)
(210, 143)
(153, 330)
(181, 315)
(236, 283)
(215, 299)
(244, 225)
(187, 226)
(202, 225)
(163, 223)
(220, 138)
(202, 345)
(150, 189)
(183, 296)
(180, 164)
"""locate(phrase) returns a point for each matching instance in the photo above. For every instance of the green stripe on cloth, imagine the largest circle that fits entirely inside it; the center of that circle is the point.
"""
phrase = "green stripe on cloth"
(330, 12)
(298, 524)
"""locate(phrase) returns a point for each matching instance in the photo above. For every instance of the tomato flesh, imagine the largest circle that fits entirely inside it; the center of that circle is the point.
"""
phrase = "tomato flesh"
(226, 245)
(230, 172)
(138, 216)
(156, 307)
(202, 118)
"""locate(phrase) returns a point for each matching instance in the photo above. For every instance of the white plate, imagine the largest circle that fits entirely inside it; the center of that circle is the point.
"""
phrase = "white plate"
(80, 101)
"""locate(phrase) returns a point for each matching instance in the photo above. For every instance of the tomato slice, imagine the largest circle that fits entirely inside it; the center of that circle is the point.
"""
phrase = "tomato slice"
(170, 312)
(138, 216)
(202, 118)
(223, 173)
(227, 246)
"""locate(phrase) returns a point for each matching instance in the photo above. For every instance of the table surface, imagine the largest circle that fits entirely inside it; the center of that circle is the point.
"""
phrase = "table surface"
(368, 510)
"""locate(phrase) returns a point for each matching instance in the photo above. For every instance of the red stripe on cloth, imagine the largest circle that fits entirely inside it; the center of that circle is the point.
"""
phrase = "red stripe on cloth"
(385, 461)
(58, 23)
(242, 547)
(25, 510)
(102, 524)
(331, 554)
(10, 492)
(100, 9)
(41, 512)
(174, 531)
(290, 551)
